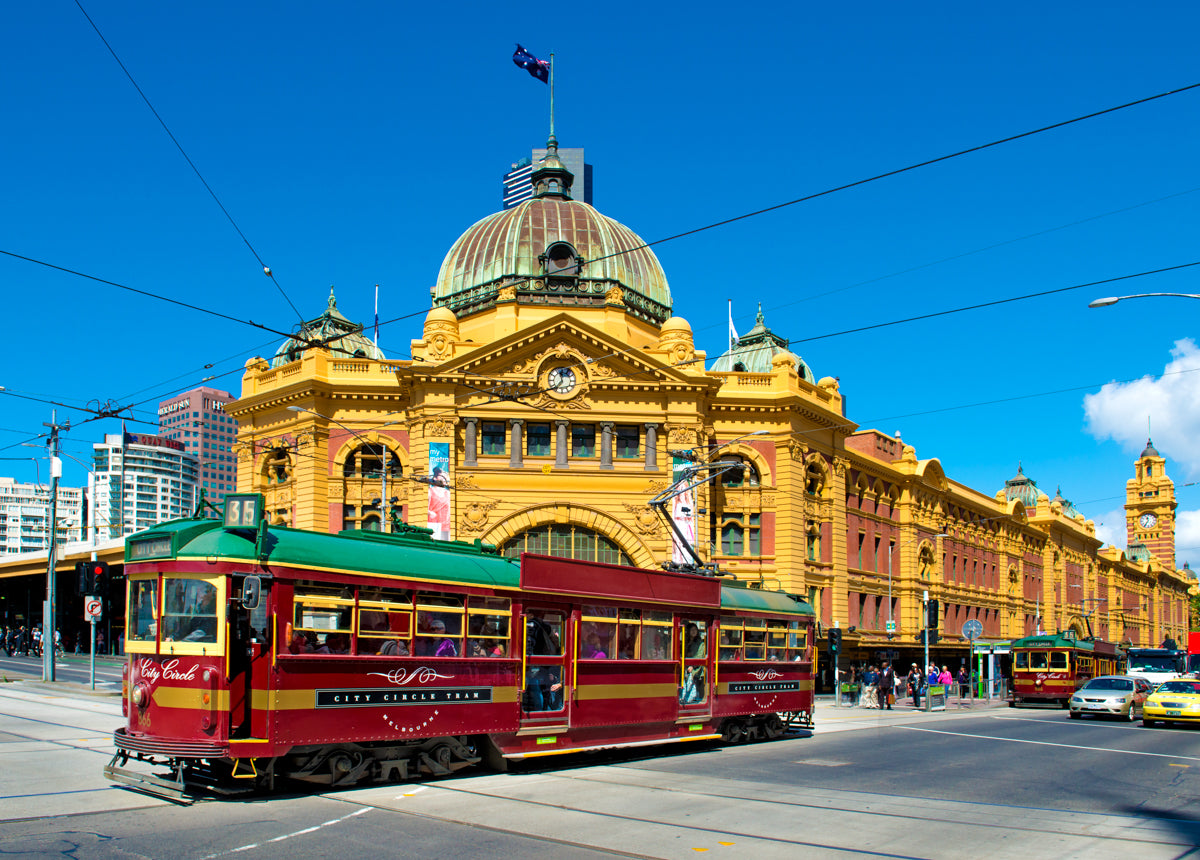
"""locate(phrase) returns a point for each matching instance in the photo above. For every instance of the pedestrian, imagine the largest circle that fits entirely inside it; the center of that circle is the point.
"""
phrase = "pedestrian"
(946, 679)
(870, 695)
(914, 685)
(99, 641)
(887, 686)
(964, 684)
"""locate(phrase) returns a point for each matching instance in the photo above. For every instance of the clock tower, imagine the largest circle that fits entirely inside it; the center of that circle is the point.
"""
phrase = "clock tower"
(1150, 507)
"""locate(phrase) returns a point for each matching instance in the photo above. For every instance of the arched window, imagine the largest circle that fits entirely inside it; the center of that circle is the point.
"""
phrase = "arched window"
(277, 465)
(566, 541)
(561, 260)
(366, 461)
(746, 476)
(814, 478)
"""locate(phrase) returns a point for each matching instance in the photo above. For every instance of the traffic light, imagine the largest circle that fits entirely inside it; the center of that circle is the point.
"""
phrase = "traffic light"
(92, 577)
(931, 615)
(835, 639)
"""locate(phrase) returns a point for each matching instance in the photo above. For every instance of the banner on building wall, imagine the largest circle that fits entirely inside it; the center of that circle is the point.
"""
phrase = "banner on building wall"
(683, 512)
(439, 490)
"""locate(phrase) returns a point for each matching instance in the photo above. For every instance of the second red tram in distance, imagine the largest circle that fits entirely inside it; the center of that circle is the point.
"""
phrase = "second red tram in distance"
(1050, 667)
(261, 654)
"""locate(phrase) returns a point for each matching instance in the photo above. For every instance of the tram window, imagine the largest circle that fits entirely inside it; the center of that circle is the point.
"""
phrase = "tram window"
(656, 635)
(1058, 660)
(777, 641)
(1037, 659)
(1021, 660)
(189, 610)
(730, 647)
(543, 634)
(142, 623)
(488, 621)
(439, 625)
(598, 632)
(629, 633)
(695, 639)
(797, 641)
(754, 647)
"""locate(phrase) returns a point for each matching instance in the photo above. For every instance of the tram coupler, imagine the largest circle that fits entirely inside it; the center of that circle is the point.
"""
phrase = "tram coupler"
(173, 790)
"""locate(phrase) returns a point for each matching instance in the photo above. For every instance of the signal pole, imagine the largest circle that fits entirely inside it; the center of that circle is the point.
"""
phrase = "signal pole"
(48, 608)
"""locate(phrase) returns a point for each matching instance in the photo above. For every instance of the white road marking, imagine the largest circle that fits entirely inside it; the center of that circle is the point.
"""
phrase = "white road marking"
(289, 835)
(1049, 744)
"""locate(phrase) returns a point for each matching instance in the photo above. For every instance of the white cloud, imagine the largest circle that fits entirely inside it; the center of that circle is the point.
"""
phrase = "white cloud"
(1171, 402)
(1187, 538)
(1110, 527)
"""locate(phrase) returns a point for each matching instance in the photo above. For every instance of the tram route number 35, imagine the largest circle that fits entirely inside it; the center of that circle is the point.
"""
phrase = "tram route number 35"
(93, 608)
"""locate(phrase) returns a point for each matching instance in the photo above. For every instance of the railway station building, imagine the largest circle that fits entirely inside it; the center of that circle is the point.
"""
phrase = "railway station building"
(552, 393)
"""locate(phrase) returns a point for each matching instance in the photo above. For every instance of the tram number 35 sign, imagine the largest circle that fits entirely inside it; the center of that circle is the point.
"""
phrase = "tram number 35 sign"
(93, 608)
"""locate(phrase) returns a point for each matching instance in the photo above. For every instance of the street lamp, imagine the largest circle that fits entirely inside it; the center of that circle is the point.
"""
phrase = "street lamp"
(1112, 300)
(386, 457)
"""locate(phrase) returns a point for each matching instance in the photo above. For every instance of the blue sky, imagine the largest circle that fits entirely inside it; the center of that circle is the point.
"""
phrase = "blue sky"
(352, 144)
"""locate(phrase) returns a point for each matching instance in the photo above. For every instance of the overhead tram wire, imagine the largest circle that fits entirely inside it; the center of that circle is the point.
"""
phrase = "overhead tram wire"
(869, 179)
(266, 269)
(906, 169)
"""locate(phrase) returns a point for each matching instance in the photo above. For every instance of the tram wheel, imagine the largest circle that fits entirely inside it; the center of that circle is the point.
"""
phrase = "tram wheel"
(733, 732)
(773, 727)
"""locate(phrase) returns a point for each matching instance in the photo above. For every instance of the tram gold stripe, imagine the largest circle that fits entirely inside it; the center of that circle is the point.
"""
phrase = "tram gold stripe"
(182, 697)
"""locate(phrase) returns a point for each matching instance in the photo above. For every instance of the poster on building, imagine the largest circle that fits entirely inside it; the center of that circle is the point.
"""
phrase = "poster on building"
(683, 512)
(439, 490)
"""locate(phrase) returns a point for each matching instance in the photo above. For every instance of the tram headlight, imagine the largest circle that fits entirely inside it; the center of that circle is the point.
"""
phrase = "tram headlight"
(140, 695)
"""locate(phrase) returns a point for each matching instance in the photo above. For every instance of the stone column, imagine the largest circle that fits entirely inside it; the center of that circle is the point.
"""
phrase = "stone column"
(651, 447)
(517, 439)
(606, 443)
(472, 443)
(560, 445)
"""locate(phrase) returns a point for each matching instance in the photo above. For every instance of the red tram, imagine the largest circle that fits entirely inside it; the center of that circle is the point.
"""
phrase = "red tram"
(261, 654)
(1050, 667)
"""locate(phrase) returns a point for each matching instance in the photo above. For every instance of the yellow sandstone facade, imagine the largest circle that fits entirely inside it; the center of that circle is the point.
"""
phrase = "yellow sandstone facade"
(556, 392)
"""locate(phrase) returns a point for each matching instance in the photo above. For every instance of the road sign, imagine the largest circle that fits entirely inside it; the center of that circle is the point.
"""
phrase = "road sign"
(972, 629)
(93, 608)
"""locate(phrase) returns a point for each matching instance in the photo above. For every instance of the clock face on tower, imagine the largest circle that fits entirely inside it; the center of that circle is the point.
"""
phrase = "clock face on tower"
(1147, 521)
(561, 380)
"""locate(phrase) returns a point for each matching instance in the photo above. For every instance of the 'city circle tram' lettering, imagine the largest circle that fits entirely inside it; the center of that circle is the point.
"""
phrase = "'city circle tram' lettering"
(379, 698)
(763, 686)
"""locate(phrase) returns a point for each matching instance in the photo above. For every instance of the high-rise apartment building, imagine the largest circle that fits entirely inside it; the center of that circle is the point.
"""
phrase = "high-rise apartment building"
(197, 420)
(138, 481)
(518, 182)
(25, 516)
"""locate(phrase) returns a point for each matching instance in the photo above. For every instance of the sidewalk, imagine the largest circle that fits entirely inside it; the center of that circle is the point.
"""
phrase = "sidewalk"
(831, 717)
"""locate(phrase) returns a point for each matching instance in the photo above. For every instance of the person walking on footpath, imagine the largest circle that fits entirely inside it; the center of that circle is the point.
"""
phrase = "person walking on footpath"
(915, 680)
(964, 684)
(887, 687)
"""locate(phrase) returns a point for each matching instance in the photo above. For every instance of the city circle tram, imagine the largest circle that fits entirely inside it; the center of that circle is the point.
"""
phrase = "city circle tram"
(258, 654)
(1050, 667)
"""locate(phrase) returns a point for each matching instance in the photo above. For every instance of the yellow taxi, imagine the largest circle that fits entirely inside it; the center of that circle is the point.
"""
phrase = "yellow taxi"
(1173, 701)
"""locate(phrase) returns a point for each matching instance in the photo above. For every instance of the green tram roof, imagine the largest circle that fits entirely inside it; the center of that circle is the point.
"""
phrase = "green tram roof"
(410, 554)
(1053, 640)
(738, 597)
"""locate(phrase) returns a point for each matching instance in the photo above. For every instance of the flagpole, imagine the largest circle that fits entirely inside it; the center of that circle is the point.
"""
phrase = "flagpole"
(377, 316)
(552, 95)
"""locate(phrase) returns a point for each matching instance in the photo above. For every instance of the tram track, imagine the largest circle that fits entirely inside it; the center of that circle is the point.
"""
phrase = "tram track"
(866, 819)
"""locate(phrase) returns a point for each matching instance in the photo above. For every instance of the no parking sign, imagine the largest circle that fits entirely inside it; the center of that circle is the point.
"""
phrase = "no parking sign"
(93, 608)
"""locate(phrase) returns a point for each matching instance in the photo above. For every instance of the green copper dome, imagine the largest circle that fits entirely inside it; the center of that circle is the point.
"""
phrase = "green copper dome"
(341, 337)
(552, 250)
(754, 351)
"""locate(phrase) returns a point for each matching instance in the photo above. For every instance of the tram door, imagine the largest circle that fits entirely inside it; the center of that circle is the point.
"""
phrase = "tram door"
(249, 657)
(546, 681)
(695, 667)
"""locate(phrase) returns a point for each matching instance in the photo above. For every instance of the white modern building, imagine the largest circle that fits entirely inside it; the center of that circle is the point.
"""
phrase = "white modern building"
(25, 516)
(139, 481)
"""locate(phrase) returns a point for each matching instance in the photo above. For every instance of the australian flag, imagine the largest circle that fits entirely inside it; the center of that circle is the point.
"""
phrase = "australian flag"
(540, 69)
